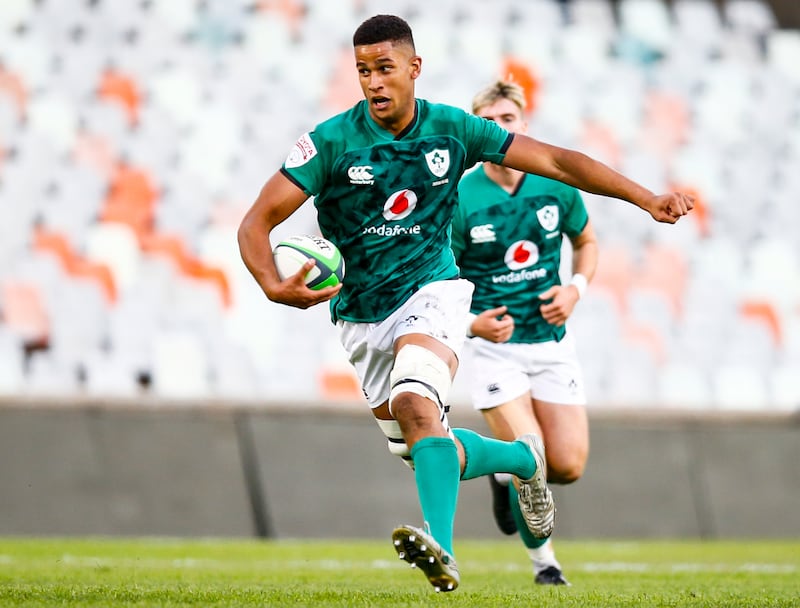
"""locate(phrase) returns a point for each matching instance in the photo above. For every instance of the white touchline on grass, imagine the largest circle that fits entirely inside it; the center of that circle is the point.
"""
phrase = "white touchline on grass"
(383, 564)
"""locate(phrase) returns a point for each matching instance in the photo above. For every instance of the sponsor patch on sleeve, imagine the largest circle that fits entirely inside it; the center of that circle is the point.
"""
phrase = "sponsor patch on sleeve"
(302, 152)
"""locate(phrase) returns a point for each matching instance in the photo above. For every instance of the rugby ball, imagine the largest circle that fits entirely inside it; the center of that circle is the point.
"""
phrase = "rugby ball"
(291, 253)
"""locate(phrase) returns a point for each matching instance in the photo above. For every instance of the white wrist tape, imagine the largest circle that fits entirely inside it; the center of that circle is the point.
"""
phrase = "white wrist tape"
(470, 318)
(580, 283)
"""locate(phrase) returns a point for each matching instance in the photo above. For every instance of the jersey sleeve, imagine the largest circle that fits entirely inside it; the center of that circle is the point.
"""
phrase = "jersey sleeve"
(486, 140)
(575, 217)
(458, 241)
(305, 164)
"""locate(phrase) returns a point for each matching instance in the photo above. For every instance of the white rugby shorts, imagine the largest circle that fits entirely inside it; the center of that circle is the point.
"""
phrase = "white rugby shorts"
(438, 310)
(548, 371)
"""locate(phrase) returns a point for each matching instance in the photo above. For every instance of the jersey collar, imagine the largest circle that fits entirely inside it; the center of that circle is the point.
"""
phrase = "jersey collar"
(519, 184)
(383, 133)
(516, 189)
(410, 126)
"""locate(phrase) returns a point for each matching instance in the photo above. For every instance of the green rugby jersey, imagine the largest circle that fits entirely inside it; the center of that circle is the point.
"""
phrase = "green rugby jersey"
(387, 201)
(509, 245)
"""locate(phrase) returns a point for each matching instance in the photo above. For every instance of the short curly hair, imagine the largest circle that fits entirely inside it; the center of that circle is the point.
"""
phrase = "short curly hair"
(383, 28)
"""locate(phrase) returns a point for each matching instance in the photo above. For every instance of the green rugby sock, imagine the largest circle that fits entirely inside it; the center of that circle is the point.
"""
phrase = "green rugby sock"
(485, 456)
(530, 541)
(436, 470)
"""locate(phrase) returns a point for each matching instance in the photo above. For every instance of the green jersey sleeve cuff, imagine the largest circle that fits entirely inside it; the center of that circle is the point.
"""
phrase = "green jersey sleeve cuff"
(294, 180)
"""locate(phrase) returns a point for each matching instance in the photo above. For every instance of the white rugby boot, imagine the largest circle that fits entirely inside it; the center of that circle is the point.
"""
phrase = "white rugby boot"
(535, 498)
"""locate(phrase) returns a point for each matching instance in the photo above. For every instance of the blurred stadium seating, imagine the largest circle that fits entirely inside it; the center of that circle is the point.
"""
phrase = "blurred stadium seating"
(134, 135)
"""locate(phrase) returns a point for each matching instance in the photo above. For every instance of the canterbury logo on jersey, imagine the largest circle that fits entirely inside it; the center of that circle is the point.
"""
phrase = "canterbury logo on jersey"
(483, 233)
(361, 175)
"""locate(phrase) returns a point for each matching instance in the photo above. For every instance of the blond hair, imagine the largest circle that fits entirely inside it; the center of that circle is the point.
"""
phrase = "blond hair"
(500, 89)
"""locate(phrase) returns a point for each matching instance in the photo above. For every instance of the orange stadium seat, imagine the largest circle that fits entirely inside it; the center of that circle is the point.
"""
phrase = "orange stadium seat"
(647, 338)
(172, 246)
(292, 10)
(665, 125)
(615, 272)
(175, 248)
(96, 152)
(665, 269)
(12, 86)
(132, 186)
(343, 90)
(23, 311)
(764, 312)
(132, 198)
(339, 384)
(124, 90)
(56, 244)
(519, 71)
(601, 141)
(73, 263)
(99, 273)
(199, 270)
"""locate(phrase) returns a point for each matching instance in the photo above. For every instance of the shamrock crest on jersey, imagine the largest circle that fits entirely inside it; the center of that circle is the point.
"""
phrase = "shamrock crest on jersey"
(438, 162)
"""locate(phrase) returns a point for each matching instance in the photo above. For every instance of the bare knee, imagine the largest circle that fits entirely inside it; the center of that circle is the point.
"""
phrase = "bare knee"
(566, 470)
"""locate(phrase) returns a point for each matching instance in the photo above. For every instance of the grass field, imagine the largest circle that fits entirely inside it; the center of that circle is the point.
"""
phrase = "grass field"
(147, 572)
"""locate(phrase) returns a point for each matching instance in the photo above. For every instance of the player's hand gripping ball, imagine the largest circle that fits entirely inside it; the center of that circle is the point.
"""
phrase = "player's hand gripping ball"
(291, 253)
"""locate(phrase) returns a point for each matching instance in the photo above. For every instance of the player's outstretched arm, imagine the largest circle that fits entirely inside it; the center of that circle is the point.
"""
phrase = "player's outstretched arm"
(278, 199)
(577, 169)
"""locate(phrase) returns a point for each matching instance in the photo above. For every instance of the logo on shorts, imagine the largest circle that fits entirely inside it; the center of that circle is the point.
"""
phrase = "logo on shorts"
(411, 319)
(399, 205)
(521, 254)
(438, 161)
(493, 388)
(573, 386)
(548, 217)
(361, 175)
